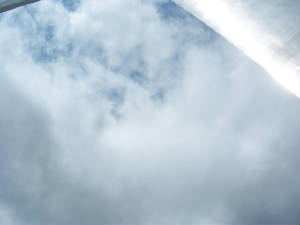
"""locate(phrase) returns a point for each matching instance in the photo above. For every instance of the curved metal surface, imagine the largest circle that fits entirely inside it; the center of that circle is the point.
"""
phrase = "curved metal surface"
(268, 31)
(12, 4)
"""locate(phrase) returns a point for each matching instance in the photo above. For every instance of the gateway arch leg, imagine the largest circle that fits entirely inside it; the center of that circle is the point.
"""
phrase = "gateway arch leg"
(11, 4)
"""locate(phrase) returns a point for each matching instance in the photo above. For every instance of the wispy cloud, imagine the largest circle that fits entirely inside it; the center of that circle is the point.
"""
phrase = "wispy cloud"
(123, 112)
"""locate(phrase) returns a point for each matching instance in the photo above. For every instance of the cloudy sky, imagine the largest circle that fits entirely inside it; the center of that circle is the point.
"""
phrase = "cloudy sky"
(135, 112)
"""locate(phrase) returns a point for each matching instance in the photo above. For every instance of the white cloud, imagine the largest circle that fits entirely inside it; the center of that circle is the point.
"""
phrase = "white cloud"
(111, 114)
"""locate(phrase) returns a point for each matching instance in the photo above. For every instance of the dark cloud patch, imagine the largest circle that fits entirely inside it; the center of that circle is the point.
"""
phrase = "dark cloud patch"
(71, 5)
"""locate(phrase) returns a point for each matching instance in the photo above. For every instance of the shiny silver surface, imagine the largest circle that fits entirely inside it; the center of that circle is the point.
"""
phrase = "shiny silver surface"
(11, 4)
(268, 31)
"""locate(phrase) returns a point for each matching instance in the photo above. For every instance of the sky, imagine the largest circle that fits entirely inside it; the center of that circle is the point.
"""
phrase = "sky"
(135, 112)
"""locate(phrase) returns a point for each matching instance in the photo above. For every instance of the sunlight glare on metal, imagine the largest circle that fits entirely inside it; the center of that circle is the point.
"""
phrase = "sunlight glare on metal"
(266, 31)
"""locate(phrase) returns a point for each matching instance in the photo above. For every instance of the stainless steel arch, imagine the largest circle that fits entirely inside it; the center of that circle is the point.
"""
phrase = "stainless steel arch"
(268, 31)
(11, 4)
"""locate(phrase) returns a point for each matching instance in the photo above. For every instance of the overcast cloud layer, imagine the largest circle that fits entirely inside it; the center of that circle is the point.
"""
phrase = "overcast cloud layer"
(134, 112)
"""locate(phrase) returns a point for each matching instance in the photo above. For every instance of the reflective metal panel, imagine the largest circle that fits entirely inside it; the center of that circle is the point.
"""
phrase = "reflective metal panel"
(11, 4)
(268, 31)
